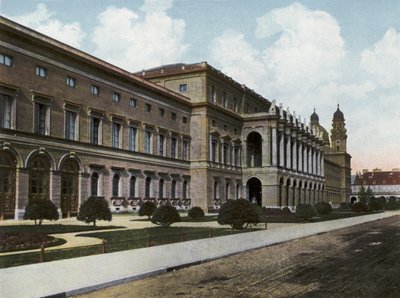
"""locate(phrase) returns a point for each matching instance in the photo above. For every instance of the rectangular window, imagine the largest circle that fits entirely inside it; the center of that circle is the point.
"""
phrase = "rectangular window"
(116, 129)
(173, 116)
(70, 81)
(132, 103)
(147, 107)
(41, 118)
(235, 104)
(213, 151)
(173, 147)
(183, 88)
(132, 138)
(236, 154)
(162, 112)
(95, 90)
(185, 150)
(213, 94)
(147, 142)
(41, 72)
(6, 60)
(184, 120)
(225, 151)
(94, 130)
(116, 97)
(224, 99)
(70, 125)
(161, 145)
(5, 111)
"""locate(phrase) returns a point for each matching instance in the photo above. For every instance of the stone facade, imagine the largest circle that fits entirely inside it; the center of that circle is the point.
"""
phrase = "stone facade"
(73, 126)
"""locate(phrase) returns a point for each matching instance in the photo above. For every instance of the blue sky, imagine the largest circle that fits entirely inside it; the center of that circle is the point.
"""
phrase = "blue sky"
(304, 54)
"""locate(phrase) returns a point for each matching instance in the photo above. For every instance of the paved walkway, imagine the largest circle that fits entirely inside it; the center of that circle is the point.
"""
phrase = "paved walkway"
(79, 275)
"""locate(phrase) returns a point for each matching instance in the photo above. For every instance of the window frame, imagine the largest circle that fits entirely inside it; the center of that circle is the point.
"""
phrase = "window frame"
(70, 81)
(7, 60)
(41, 72)
(93, 88)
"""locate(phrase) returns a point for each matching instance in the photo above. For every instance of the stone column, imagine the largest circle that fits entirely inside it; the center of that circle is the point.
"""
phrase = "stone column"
(300, 156)
(294, 167)
(266, 148)
(84, 184)
(322, 164)
(274, 147)
(309, 157)
(289, 153)
(55, 189)
(282, 150)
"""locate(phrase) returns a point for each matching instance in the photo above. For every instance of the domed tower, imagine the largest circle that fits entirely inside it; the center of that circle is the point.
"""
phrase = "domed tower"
(314, 120)
(338, 132)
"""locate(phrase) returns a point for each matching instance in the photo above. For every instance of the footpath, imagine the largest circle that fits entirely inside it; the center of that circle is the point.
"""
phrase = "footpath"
(79, 275)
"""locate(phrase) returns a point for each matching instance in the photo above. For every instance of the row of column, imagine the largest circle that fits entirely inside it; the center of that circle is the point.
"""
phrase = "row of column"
(224, 152)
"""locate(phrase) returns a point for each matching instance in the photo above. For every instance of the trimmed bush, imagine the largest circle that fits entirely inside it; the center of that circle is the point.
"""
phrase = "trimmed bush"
(276, 211)
(392, 204)
(359, 207)
(147, 208)
(305, 211)
(375, 204)
(323, 208)
(165, 215)
(93, 209)
(345, 206)
(196, 212)
(286, 211)
(238, 213)
(40, 209)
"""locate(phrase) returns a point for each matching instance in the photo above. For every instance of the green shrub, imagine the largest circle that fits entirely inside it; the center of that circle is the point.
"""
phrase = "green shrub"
(323, 208)
(359, 207)
(147, 208)
(375, 204)
(196, 212)
(305, 211)
(165, 215)
(238, 213)
(95, 208)
(344, 206)
(392, 204)
(286, 211)
(40, 209)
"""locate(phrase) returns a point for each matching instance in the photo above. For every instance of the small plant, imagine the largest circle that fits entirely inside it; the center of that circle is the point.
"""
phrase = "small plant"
(165, 216)
(305, 211)
(359, 207)
(238, 213)
(40, 209)
(147, 208)
(95, 208)
(196, 212)
(323, 208)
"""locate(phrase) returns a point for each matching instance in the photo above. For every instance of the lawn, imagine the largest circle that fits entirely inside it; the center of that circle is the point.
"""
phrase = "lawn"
(207, 218)
(53, 228)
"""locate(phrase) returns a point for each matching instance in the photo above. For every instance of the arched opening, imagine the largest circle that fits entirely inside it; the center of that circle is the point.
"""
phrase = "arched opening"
(216, 194)
(299, 196)
(115, 185)
(305, 193)
(287, 189)
(147, 190)
(39, 178)
(7, 185)
(254, 149)
(132, 187)
(294, 193)
(227, 190)
(94, 184)
(69, 188)
(237, 191)
(161, 189)
(254, 190)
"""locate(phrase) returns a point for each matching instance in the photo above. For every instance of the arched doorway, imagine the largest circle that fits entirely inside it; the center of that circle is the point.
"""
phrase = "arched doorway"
(7, 185)
(254, 149)
(69, 188)
(254, 190)
(39, 178)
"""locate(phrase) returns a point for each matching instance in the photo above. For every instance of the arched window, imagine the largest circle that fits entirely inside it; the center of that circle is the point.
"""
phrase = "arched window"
(184, 189)
(132, 187)
(147, 191)
(254, 149)
(94, 184)
(161, 189)
(227, 189)
(115, 185)
(173, 189)
(39, 174)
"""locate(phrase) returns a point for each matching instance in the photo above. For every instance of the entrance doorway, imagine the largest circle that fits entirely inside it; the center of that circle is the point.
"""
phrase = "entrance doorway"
(254, 190)
(7, 185)
(70, 188)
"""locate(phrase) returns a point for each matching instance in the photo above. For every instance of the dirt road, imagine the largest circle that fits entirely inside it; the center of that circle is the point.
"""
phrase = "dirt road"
(361, 261)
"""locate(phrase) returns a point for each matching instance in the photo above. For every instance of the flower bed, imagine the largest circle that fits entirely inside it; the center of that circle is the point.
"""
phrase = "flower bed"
(25, 241)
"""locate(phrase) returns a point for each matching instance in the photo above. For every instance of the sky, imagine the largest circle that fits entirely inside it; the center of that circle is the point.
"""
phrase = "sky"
(303, 54)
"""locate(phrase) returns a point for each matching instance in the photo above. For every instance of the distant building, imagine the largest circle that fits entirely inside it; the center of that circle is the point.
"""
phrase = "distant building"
(384, 184)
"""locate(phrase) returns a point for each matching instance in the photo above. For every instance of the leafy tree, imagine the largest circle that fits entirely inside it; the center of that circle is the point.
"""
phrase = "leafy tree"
(196, 212)
(95, 208)
(365, 195)
(147, 208)
(392, 204)
(165, 215)
(238, 213)
(305, 211)
(40, 209)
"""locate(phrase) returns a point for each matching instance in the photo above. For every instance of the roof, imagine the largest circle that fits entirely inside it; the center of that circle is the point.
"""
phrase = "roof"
(378, 178)
(338, 115)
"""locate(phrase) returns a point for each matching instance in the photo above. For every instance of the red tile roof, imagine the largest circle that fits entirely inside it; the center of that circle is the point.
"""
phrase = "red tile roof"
(378, 178)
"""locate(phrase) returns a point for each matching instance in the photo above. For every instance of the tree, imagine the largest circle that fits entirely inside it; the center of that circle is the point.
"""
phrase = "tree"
(196, 212)
(95, 208)
(147, 208)
(165, 215)
(238, 213)
(40, 209)
(365, 195)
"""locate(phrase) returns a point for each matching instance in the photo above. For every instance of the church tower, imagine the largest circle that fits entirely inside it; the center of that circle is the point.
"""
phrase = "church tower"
(338, 132)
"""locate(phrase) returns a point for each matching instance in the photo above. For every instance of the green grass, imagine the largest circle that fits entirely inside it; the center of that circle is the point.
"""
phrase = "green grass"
(53, 229)
(332, 216)
(207, 218)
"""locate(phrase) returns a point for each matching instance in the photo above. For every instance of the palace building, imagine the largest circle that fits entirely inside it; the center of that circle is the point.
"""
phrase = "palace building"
(74, 126)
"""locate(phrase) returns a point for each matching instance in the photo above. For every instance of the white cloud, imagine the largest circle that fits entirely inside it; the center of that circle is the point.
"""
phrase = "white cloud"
(133, 43)
(43, 20)
(383, 62)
